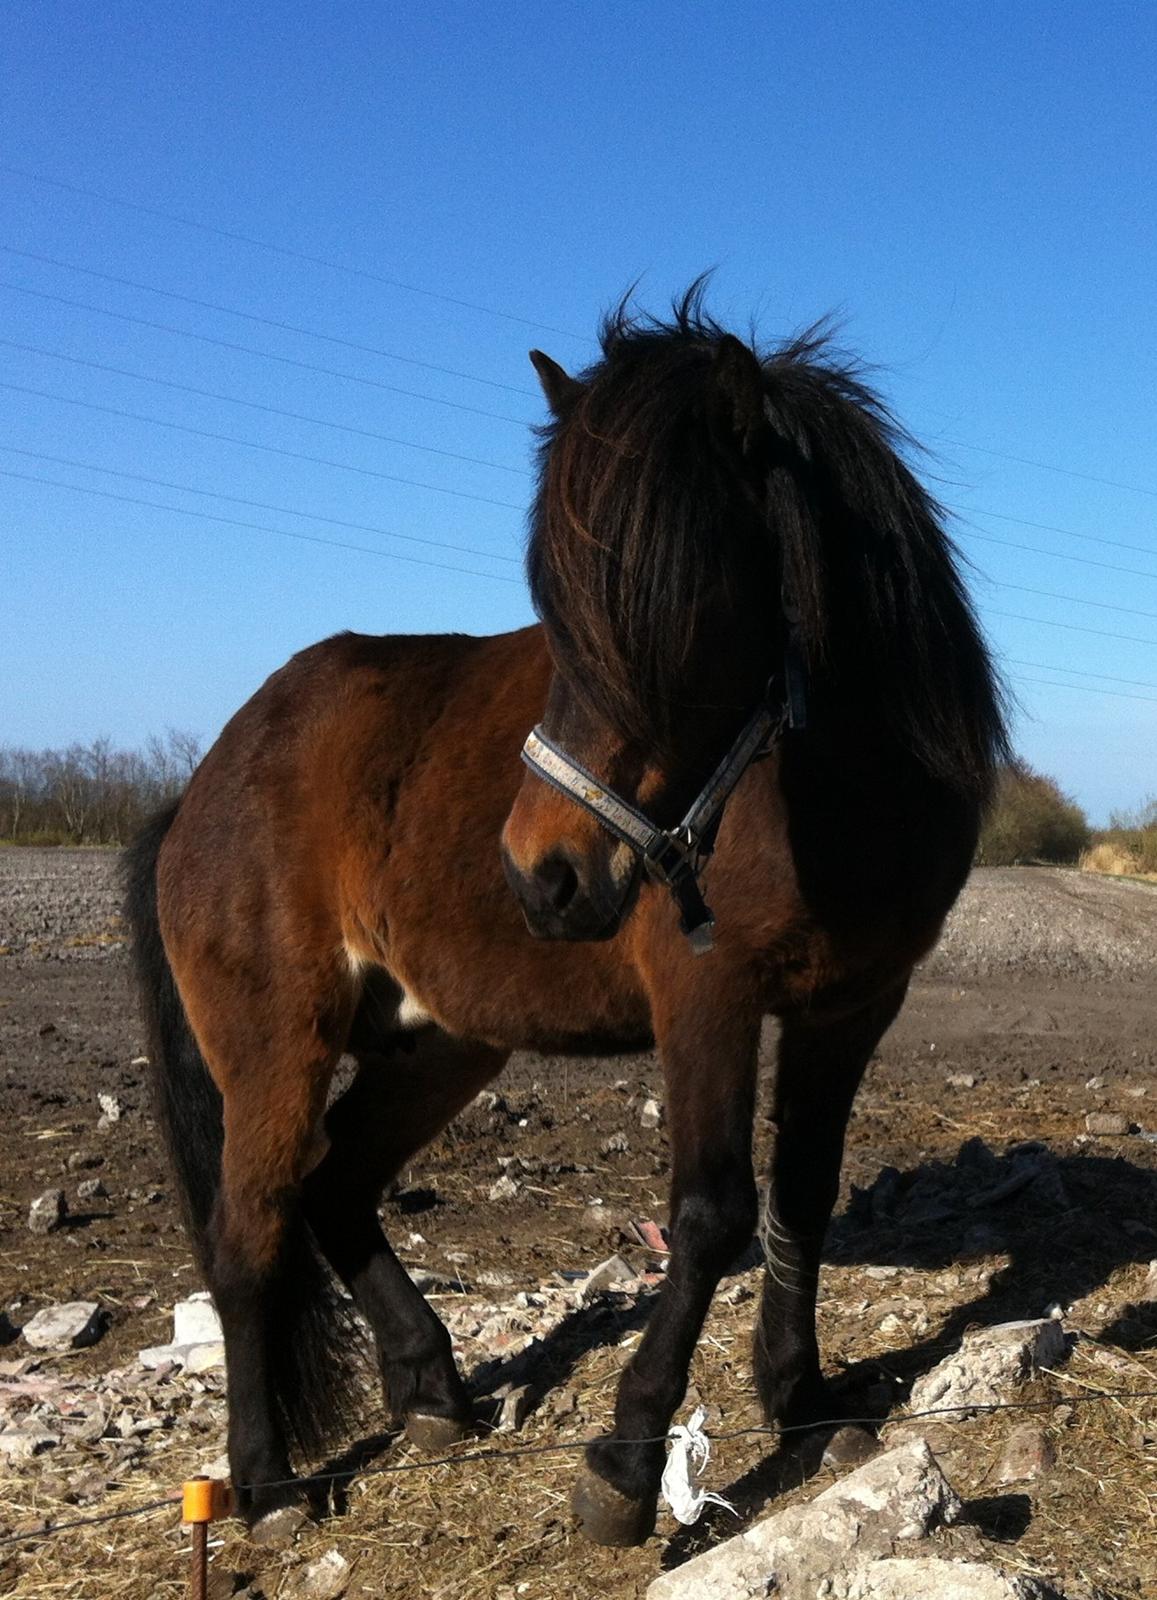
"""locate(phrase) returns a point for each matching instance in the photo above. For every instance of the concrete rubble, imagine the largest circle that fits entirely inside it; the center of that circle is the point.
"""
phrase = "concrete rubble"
(842, 1545)
(937, 1578)
(327, 1578)
(197, 1344)
(47, 1212)
(65, 1327)
(900, 1496)
(651, 1116)
(989, 1364)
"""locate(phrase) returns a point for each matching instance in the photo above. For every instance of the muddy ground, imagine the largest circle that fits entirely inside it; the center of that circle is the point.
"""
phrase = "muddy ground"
(1039, 1007)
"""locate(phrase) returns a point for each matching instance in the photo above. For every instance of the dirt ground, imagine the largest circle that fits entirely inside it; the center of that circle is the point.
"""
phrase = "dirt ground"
(1039, 1007)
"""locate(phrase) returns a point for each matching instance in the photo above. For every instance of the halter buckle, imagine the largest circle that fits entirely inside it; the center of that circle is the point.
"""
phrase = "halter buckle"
(670, 854)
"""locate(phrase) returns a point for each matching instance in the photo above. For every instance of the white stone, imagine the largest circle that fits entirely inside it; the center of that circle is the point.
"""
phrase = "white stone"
(195, 1320)
(505, 1188)
(24, 1441)
(989, 1363)
(47, 1211)
(65, 1327)
(933, 1578)
(111, 1109)
(609, 1274)
(651, 1115)
(899, 1495)
(516, 1403)
(192, 1357)
(324, 1579)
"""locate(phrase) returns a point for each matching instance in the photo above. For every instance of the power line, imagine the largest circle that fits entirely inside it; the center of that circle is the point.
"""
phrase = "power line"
(373, 277)
(1048, 466)
(353, 377)
(1072, 627)
(489, 1453)
(296, 255)
(253, 444)
(1045, 594)
(255, 505)
(1044, 527)
(1084, 688)
(255, 405)
(1074, 599)
(1079, 672)
(1059, 555)
(272, 322)
(251, 350)
(282, 533)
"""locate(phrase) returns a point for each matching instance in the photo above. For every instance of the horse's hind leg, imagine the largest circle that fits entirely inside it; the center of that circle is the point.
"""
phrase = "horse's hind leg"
(820, 1066)
(275, 1304)
(397, 1103)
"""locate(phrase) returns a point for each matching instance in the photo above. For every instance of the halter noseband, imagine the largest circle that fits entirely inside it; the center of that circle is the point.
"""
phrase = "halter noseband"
(676, 856)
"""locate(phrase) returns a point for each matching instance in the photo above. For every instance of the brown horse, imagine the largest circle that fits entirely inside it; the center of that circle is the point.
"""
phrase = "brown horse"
(721, 540)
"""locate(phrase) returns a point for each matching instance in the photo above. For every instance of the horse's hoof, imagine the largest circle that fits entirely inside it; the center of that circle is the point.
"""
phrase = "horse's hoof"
(279, 1527)
(430, 1432)
(608, 1517)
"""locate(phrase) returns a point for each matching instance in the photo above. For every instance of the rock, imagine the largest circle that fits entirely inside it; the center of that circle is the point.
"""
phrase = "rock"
(737, 1293)
(900, 1495)
(961, 1080)
(934, 1578)
(80, 1159)
(516, 1403)
(1109, 1124)
(111, 1110)
(91, 1189)
(989, 1363)
(505, 1189)
(617, 1145)
(193, 1358)
(24, 1440)
(651, 1115)
(195, 1320)
(47, 1211)
(1028, 1455)
(325, 1579)
(612, 1273)
(73, 1326)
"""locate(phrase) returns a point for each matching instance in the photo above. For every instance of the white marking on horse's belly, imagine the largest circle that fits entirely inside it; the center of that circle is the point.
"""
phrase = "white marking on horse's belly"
(411, 1012)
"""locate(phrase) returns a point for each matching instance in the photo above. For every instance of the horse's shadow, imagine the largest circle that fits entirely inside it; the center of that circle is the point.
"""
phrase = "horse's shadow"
(1064, 1224)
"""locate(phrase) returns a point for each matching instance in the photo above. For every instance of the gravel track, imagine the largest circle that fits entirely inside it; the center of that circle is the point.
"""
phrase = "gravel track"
(1039, 921)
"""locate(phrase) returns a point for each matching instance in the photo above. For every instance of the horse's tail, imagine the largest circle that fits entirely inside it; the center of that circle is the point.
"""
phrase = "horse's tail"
(313, 1337)
(186, 1101)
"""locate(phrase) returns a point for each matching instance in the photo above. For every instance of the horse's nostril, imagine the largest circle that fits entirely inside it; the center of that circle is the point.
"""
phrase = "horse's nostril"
(559, 882)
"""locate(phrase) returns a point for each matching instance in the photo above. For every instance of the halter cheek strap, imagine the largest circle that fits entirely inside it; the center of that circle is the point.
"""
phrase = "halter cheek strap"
(673, 857)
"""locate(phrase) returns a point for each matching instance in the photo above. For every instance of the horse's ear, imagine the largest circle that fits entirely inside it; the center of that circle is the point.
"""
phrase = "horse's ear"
(739, 389)
(560, 389)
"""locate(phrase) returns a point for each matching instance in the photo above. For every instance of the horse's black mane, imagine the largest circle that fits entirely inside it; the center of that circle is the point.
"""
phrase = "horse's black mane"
(683, 469)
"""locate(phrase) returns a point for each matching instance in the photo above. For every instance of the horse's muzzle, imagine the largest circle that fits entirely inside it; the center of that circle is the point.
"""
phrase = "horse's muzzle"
(567, 898)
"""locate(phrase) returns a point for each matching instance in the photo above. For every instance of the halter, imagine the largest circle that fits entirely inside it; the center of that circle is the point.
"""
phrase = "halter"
(674, 857)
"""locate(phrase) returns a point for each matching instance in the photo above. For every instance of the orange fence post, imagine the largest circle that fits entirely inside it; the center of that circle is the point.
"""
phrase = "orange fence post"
(203, 1500)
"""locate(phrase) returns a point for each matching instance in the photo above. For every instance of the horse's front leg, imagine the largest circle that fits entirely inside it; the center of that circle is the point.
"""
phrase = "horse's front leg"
(821, 1062)
(709, 1044)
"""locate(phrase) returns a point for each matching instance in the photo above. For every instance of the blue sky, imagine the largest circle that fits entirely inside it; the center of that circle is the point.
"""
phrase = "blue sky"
(971, 193)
